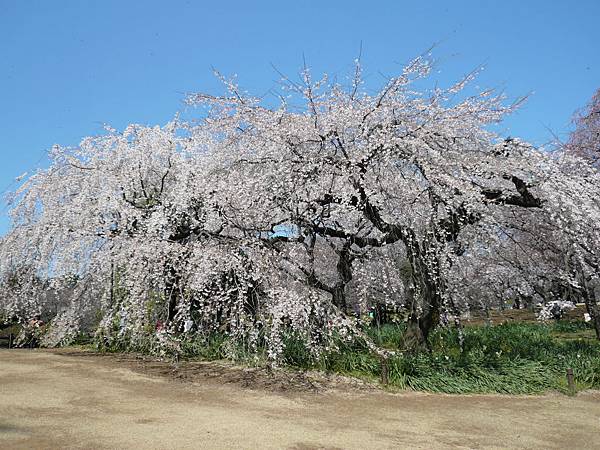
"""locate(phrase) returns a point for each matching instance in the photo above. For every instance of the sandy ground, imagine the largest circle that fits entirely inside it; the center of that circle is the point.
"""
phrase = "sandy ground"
(78, 400)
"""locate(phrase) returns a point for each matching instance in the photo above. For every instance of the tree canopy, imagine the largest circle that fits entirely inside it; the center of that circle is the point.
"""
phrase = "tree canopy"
(257, 220)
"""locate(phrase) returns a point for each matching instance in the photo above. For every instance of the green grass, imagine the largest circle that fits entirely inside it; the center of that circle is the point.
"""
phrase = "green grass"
(515, 358)
(512, 358)
(209, 349)
(7, 328)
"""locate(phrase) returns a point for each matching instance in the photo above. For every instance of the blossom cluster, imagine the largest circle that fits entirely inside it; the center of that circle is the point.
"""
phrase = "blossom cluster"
(261, 222)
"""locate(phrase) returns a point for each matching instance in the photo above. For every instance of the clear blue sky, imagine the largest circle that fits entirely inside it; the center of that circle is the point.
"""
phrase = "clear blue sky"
(66, 67)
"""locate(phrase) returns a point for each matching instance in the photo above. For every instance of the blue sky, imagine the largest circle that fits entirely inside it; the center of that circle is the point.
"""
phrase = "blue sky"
(67, 67)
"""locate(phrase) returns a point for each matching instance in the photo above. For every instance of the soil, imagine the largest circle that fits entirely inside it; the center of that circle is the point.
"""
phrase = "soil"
(81, 400)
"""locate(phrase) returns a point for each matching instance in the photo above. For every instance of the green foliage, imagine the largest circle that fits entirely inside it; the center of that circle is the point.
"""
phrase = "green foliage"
(7, 328)
(513, 358)
(571, 326)
(388, 336)
(211, 348)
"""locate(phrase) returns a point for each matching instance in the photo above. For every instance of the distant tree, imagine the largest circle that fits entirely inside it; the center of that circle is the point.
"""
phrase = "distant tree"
(584, 141)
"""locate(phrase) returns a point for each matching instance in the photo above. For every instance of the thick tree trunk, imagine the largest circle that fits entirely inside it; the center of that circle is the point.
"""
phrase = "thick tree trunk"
(422, 323)
(172, 292)
(172, 308)
(591, 305)
(517, 303)
(596, 319)
(112, 284)
(414, 339)
(594, 311)
(339, 297)
(344, 270)
(424, 297)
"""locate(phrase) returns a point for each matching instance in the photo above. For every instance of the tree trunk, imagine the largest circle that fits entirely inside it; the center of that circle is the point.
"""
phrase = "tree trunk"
(339, 297)
(517, 303)
(596, 320)
(344, 270)
(424, 317)
(594, 311)
(425, 298)
(112, 284)
(414, 340)
(591, 305)
(172, 292)
(420, 326)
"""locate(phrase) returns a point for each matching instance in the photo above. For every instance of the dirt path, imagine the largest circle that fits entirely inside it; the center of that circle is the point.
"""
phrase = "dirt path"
(53, 400)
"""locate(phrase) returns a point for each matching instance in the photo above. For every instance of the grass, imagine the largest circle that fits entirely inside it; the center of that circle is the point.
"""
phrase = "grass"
(512, 358)
(515, 358)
